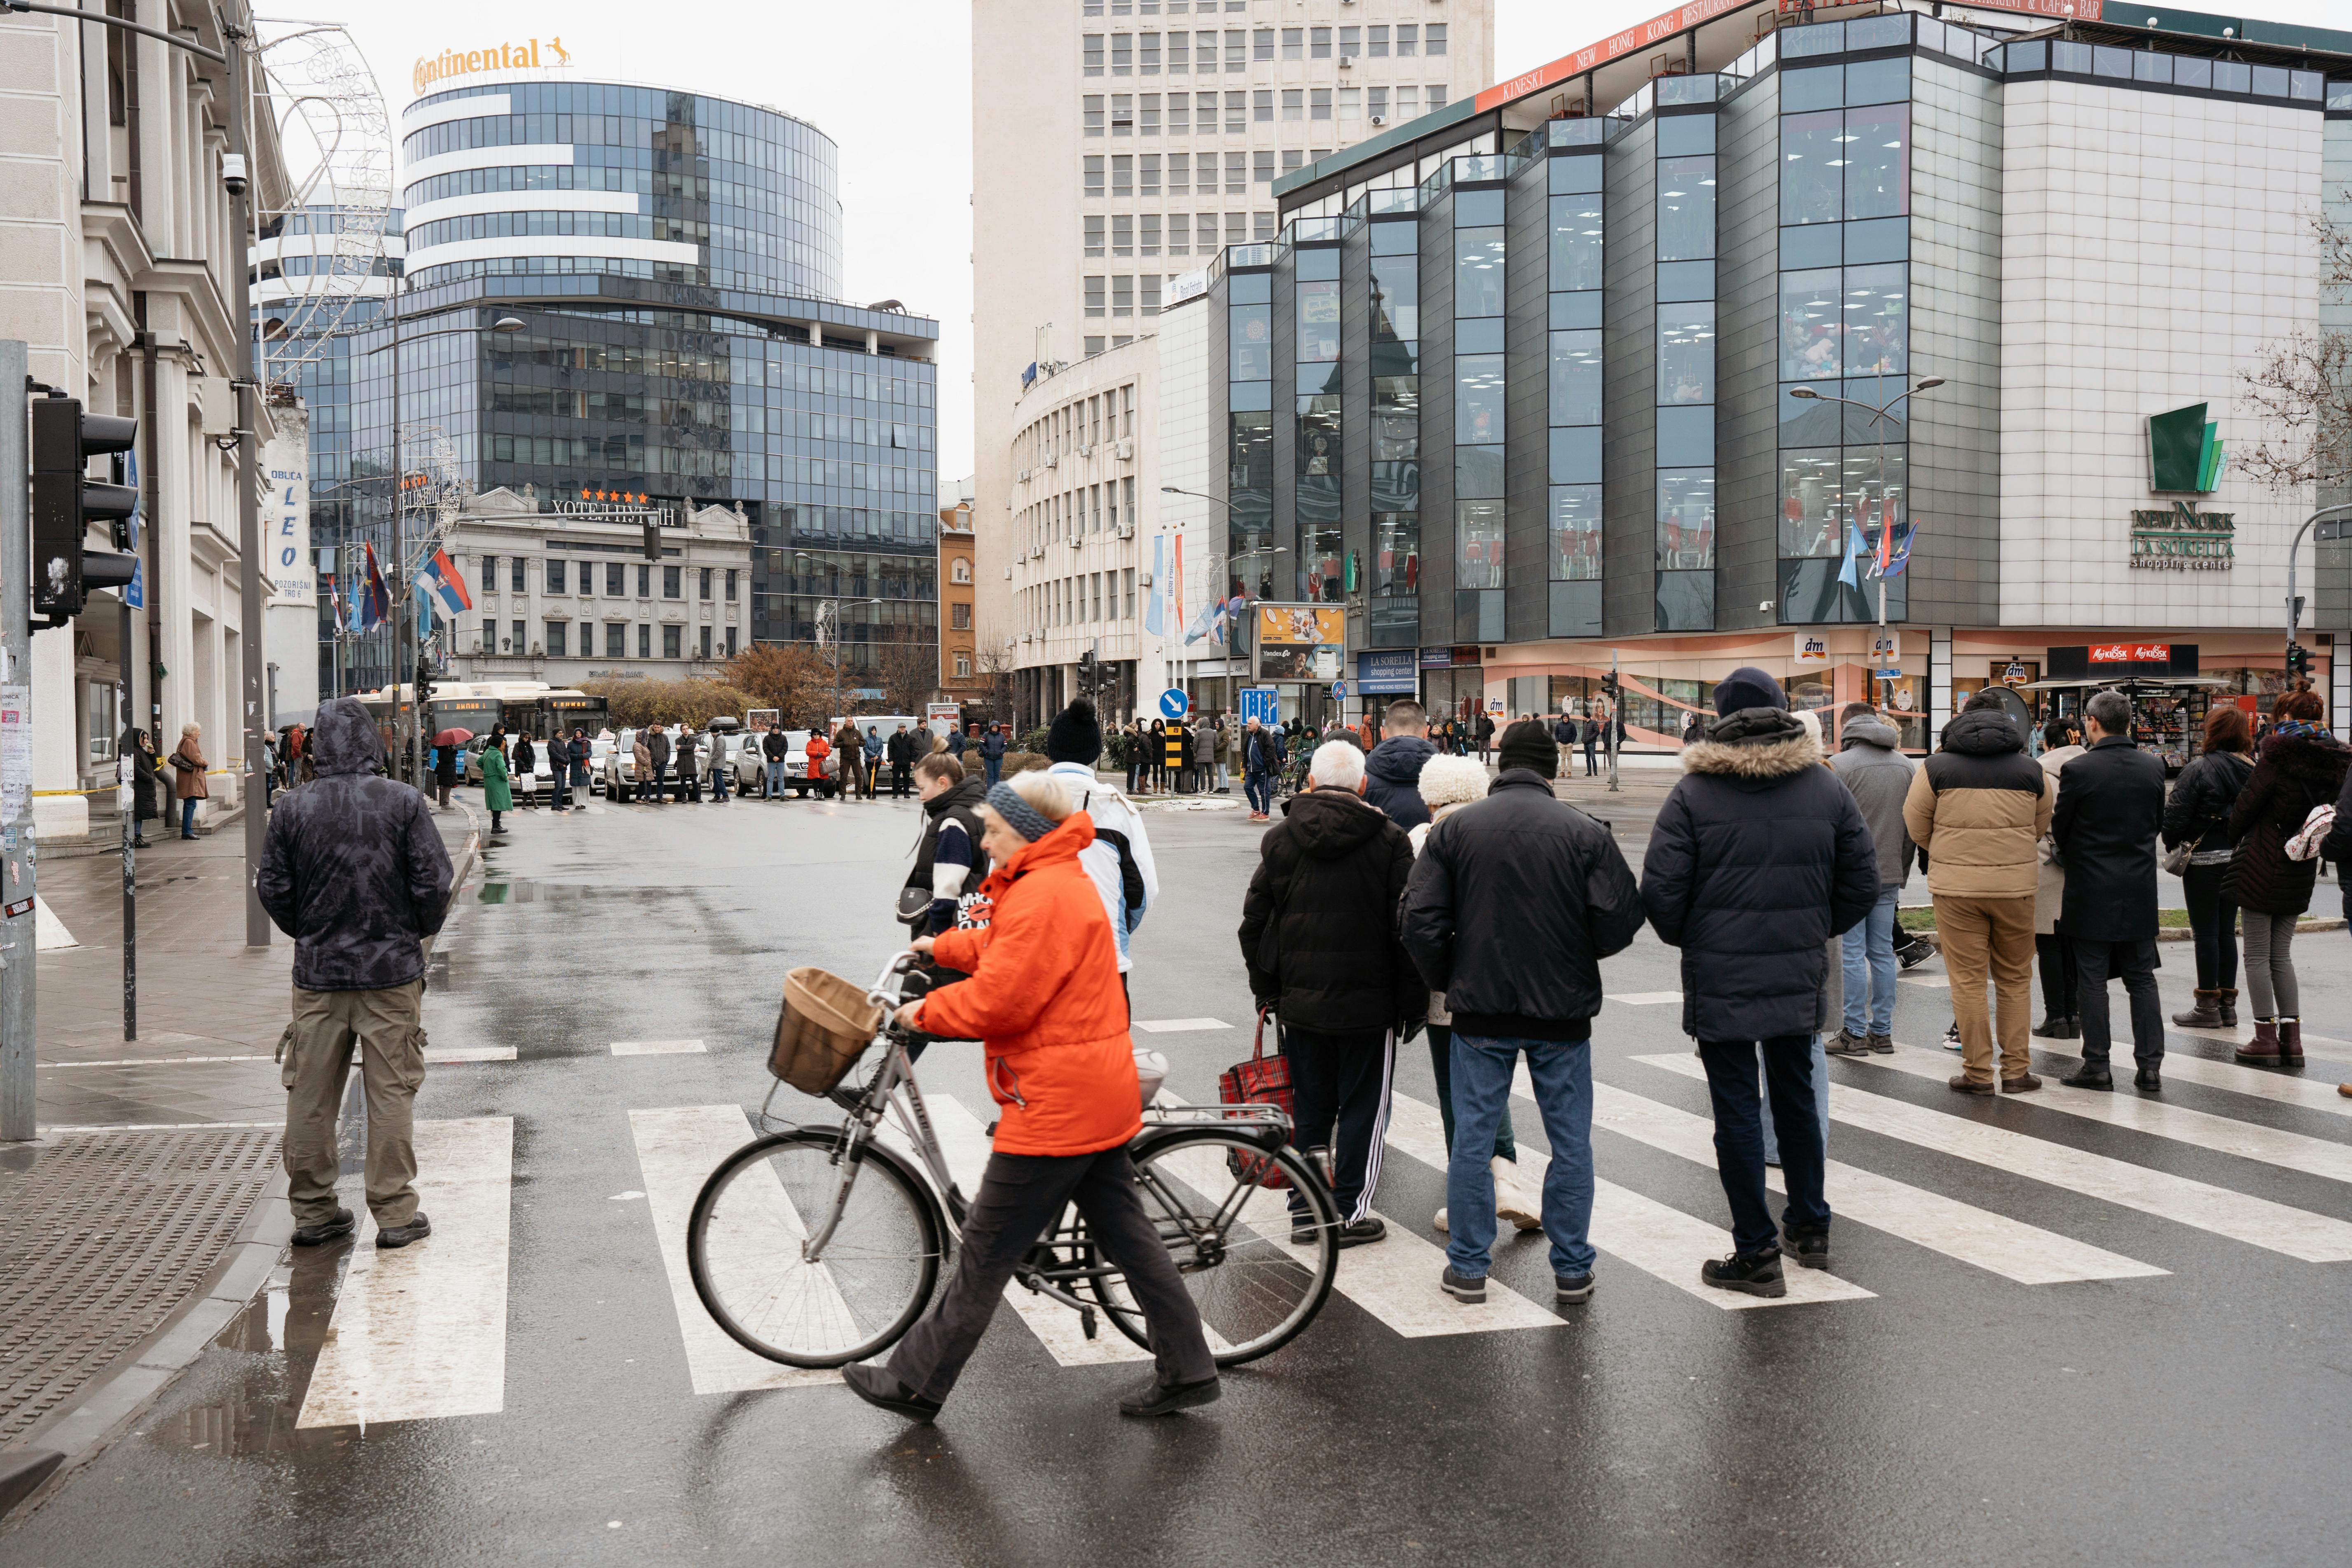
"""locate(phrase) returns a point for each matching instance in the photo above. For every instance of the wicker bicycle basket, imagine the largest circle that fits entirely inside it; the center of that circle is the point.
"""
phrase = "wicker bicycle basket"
(825, 1026)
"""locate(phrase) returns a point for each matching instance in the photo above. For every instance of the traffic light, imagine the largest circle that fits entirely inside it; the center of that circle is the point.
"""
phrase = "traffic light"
(423, 681)
(653, 540)
(1089, 673)
(65, 500)
(2298, 662)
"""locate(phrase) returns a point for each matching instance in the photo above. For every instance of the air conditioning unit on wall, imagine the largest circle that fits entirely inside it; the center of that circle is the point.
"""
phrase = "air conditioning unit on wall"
(1125, 450)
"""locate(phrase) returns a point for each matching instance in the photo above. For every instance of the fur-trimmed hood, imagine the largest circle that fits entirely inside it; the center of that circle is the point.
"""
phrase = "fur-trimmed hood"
(1760, 760)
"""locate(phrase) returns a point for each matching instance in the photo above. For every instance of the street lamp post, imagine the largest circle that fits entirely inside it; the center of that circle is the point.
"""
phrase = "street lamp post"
(834, 601)
(403, 721)
(1879, 419)
(2293, 600)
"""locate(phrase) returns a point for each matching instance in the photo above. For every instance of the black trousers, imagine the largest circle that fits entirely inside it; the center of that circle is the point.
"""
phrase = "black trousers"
(1340, 1084)
(902, 776)
(1740, 1137)
(2061, 979)
(2213, 916)
(1019, 1196)
(2135, 962)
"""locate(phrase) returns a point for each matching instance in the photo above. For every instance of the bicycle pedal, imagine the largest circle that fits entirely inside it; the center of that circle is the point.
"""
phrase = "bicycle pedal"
(1087, 1321)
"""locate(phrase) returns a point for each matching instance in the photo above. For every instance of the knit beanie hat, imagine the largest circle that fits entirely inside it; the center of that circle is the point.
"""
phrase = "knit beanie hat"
(1075, 735)
(1749, 687)
(1448, 780)
(1528, 744)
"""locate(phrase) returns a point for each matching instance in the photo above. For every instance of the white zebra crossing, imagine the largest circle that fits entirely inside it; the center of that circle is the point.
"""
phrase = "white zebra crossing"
(2261, 1083)
(1655, 1237)
(2241, 1216)
(2182, 1123)
(421, 1330)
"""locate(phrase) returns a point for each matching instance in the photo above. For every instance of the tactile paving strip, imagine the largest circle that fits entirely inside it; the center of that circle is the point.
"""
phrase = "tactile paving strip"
(102, 1239)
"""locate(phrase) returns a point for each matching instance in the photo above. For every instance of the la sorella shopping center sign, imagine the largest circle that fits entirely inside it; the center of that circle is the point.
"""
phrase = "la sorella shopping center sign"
(432, 74)
(2184, 453)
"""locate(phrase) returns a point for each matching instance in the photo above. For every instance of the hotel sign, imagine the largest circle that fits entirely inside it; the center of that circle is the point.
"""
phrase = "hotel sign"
(2183, 539)
(450, 64)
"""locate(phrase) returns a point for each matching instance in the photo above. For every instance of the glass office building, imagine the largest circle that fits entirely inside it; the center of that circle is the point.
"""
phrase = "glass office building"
(675, 260)
(1545, 379)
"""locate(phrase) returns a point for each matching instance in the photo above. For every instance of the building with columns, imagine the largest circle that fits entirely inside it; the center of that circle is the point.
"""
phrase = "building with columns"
(117, 239)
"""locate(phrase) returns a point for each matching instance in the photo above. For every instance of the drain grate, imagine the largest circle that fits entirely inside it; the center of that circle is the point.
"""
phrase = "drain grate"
(105, 1236)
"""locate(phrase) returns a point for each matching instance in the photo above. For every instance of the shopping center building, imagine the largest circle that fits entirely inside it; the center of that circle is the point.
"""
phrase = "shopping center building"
(675, 261)
(1586, 371)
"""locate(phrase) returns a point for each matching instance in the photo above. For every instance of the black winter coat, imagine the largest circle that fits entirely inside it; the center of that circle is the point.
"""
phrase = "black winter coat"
(352, 867)
(2338, 846)
(2198, 810)
(1758, 858)
(143, 783)
(1319, 923)
(657, 748)
(1513, 904)
(773, 747)
(2110, 807)
(2296, 773)
(1261, 752)
(1392, 779)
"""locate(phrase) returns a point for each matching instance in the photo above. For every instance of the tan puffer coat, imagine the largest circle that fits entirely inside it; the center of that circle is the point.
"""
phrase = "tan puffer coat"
(1978, 808)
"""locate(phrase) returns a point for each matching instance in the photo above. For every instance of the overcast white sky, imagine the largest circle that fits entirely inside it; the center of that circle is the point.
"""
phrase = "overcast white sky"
(892, 86)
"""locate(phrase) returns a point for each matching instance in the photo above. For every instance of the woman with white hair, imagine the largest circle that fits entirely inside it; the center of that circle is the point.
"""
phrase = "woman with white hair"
(1043, 998)
(1447, 784)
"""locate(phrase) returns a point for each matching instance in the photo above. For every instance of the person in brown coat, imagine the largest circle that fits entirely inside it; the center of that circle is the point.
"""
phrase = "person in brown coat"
(849, 746)
(188, 765)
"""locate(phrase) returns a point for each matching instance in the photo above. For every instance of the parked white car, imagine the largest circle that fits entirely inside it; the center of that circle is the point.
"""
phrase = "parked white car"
(542, 774)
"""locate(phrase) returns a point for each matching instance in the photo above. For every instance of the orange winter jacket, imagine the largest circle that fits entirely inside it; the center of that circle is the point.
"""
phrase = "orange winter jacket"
(1045, 1003)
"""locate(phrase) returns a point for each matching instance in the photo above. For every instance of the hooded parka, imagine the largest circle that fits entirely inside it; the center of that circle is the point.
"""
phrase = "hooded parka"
(1978, 807)
(1319, 922)
(1045, 1003)
(1392, 778)
(2296, 773)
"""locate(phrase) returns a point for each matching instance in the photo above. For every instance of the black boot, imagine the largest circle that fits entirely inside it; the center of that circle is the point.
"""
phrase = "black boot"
(2090, 1075)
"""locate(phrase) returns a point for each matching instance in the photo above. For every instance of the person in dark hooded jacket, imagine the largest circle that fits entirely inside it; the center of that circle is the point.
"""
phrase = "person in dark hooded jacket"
(1319, 935)
(355, 871)
(144, 786)
(2301, 768)
(1758, 857)
(1393, 771)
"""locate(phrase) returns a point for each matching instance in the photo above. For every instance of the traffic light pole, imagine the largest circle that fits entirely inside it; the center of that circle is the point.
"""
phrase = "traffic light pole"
(17, 932)
(248, 492)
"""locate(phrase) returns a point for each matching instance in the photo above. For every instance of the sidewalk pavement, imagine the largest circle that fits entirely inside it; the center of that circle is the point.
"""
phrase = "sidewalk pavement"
(139, 1220)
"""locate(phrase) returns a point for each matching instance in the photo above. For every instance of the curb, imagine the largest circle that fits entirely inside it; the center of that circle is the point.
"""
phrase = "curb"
(2183, 933)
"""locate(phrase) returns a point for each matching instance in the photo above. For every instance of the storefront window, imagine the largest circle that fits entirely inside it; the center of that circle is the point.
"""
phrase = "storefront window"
(1877, 173)
(1318, 318)
(1396, 294)
(1686, 520)
(1813, 514)
(1396, 553)
(1809, 327)
(1575, 534)
(1478, 535)
(1876, 312)
(1252, 343)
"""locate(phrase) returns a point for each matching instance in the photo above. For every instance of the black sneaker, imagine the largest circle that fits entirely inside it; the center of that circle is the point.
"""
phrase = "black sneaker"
(1157, 1398)
(1471, 1290)
(1847, 1044)
(325, 1231)
(1812, 1248)
(417, 1229)
(1572, 1289)
(1758, 1275)
(1360, 1231)
(875, 1385)
(2090, 1075)
(1303, 1231)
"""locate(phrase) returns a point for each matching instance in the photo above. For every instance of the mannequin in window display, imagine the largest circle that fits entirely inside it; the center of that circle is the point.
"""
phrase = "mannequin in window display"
(1318, 457)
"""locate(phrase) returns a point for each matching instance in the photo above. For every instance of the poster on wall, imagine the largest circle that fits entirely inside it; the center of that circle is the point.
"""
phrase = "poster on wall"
(1301, 642)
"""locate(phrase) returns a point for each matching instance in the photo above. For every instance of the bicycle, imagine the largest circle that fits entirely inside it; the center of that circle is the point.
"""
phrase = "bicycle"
(820, 1245)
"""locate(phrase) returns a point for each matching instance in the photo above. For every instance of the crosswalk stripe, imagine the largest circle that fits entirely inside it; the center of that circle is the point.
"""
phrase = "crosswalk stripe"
(451, 1055)
(677, 1148)
(2025, 1253)
(420, 1331)
(2262, 1083)
(1646, 998)
(2241, 1216)
(1653, 1236)
(2201, 1129)
(964, 1140)
(1180, 1025)
(2240, 1035)
(657, 1047)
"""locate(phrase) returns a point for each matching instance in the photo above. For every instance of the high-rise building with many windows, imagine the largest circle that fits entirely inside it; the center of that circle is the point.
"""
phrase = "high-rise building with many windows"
(1117, 145)
(675, 262)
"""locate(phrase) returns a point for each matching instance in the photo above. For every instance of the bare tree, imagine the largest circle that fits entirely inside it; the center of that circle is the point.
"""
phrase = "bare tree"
(2302, 387)
(994, 663)
(792, 677)
(908, 666)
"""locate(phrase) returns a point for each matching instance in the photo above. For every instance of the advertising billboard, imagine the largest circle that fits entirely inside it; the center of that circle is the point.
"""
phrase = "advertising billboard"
(1301, 642)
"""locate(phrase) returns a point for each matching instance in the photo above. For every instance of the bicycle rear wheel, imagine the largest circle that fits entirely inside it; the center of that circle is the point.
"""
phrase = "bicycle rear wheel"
(1231, 1241)
(747, 1249)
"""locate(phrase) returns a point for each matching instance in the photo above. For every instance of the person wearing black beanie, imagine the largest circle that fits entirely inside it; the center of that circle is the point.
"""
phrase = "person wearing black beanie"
(1075, 735)
(1528, 744)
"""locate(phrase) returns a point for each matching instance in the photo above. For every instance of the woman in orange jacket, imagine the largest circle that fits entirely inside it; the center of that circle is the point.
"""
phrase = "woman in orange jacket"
(1044, 1000)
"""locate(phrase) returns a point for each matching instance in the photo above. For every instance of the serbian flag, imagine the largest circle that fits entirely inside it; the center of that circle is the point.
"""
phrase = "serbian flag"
(374, 606)
(440, 579)
(1885, 539)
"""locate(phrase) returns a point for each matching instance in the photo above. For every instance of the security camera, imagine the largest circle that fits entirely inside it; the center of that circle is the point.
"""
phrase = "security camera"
(1765, 608)
(233, 173)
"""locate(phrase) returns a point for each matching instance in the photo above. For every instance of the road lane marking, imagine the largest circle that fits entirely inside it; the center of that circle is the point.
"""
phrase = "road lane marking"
(1655, 1237)
(2025, 1253)
(1926, 982)
(154, 1061)
(449, 1056)
(2239, 1216)
(1646, 998)
(657, 1047)
(2199, 1129)
(677, 1148)
(2262, 1083)
(1178, 1025)
(420, 1331)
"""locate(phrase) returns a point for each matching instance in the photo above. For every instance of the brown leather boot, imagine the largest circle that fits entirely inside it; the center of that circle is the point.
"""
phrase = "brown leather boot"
(2263, 1050)
(2204, 1015)
(2290, 1037)
(2225, 1002)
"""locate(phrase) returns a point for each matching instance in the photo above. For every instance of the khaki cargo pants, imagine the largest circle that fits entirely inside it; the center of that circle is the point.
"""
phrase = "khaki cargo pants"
(315, 1054)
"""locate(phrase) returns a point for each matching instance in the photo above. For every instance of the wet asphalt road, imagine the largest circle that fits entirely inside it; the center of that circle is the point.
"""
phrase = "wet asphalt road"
(1952, 1416)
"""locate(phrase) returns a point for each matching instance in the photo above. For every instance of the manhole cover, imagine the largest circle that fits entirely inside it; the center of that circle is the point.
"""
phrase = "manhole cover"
(106, 1234)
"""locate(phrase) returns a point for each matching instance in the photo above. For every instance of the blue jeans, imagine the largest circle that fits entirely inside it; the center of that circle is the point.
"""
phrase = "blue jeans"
(993, 766)
(1790, 1076)
(1870, 969)
(775, 778)
(1562, 1071)
(1260, 790)
(1821, 1105)
(188, 817)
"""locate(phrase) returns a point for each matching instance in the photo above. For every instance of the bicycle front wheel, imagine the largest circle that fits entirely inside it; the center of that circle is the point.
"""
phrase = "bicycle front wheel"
(1230, 1239)
(750, 1252)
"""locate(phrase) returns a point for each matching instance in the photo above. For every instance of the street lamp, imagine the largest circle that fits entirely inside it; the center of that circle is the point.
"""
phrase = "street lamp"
(403, 736)
(834, 601)
(2294, 600)
(1878, 412)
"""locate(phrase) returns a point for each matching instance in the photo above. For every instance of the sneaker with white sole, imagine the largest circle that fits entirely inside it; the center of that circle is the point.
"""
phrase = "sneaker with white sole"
(1440, 1220)
(1511, 1200)
(1951, 1036)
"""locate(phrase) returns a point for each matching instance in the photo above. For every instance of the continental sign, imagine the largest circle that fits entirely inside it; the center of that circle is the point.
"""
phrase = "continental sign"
(2184, 539)
(450, 64)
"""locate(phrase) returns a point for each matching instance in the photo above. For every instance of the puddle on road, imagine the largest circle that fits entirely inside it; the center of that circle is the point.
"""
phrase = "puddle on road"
(521, 890)
(257, 1394)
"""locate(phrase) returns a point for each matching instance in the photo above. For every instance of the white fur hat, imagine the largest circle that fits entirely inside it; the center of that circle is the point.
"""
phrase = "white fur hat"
(1448, 780)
